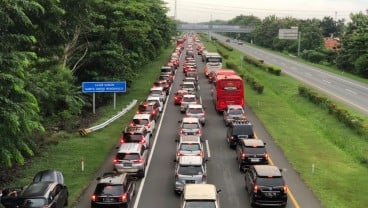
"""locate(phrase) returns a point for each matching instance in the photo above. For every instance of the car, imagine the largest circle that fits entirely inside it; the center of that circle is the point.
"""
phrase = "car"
(136, 134)
(163, 83)
(189, 145)
(169, 70)
(192, 79)
(49, 175)
(168, 78)
(239, 129)
(233, 112)
(189, 86)
(192, 73)
(200, 195)
(131, 158)
(266, 186)
(158, 91)
(113, 190)
(190, 126)
(158, 100)
(196, 111)
(39, 194)
(179, 96)
(147, 107)
(145, 120)
(251, 152)
(187, 100)
(189, 169)
(228, 40)
(240, 42)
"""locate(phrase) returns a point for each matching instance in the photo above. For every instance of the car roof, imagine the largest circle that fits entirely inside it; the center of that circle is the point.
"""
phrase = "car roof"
(189, 138)
(187, 83)
(200, 191)
(142, 116)
(190, 120)
(157, 88)
(267, 170)
(195, 106)
(234, 106)
(130, 147)
(38, 189)
(190, 160)
(153, 98)
(113, 178)
(189, 95)
(253, 142)
(137, 129)
(147, 103)
(49, 175)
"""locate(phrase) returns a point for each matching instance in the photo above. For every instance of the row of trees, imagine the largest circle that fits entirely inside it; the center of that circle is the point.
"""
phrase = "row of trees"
(50, 46)
(353, 35)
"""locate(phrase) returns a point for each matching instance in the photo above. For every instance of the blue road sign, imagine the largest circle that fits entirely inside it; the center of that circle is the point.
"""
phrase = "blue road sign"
(89, 87)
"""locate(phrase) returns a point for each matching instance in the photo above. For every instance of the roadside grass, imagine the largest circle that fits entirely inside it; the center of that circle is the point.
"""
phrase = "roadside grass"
(66, 156)
(309, 135)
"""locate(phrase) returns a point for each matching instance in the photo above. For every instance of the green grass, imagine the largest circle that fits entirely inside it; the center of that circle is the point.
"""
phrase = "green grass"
(93, 148)
(309, 135)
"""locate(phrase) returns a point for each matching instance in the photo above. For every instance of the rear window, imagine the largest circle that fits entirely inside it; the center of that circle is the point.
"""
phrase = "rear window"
(243, 130)
(128, 137)
(140, 121)
(190, 126)
(109, 189)
(195, 110)
(189, 147)
(145, 107)
(236, 111)
(190, 170)
(187, 86)
(127, 156)
(189, 99)
(266, 181)
(165, 70)
(255, 150)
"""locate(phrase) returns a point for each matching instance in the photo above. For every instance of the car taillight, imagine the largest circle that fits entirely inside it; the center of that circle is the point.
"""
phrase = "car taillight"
(200, 154)
(266, 155)
(231, 138)
(139, 161)
(93, 198)
(181, 131)
(115, 160)
(123, 198)
(179, 154)
(176, 98)
(204, 176)
(148, 125)
(187, 114)
(255, 189)
(122, 141)
(142, 141)
(243, 155)
(131, 124)
(176, 175)
(199, 132)
(285, 188)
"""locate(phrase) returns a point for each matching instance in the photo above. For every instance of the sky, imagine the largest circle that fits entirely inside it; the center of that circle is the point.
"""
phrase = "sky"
(194, 11)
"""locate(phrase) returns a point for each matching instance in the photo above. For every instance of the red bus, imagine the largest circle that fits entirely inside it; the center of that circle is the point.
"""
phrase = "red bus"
(228, 90)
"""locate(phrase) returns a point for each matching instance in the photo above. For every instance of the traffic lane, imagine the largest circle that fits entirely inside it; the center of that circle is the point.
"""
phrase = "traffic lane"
(304, 196)
(349, 91)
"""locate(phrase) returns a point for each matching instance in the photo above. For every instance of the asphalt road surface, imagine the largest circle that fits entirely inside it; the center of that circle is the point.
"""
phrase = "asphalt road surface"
(156, 190)
(348, 91)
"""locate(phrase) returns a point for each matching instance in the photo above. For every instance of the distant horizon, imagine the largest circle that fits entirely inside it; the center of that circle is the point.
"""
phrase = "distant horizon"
(193, 11)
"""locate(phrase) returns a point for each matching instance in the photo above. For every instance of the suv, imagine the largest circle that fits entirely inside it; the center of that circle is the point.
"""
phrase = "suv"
(190, 126)
(179, 96)
(200, 195)
(131, 158)
(145, 120)
(113, 190)
(251, 152)
(39, 194)
(159, 92)
(237, 130)
(158, 100)
(169, 70)
(189, 169)
(265, 185)
(189, 146)
(186, 100)
(189, 86)
(163, 83)
(137, 134)
(147, 107)
(233, 112)
(196, 111)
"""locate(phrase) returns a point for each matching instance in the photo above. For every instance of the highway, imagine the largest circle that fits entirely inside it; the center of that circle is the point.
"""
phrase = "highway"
(348, 91)
(156, 190)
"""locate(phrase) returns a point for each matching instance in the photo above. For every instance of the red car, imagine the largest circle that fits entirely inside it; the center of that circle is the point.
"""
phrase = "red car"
(179, 96)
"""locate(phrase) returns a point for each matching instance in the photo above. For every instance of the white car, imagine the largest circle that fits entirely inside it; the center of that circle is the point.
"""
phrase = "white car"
(186, 101)
(158, 91)
(158, 100)
(196, 111)
(146, 120)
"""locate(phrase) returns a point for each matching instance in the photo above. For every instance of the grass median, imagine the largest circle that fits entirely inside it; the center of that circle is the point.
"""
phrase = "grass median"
(310, 136)
(93, 149)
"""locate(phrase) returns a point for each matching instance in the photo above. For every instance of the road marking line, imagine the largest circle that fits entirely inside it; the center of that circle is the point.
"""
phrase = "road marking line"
(208, 149)
(290, 193)
(328, 82)
(141, 185)
(351, 91)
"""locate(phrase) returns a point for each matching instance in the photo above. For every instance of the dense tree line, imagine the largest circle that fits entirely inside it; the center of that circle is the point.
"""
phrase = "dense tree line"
(353, 35)
(50, 46)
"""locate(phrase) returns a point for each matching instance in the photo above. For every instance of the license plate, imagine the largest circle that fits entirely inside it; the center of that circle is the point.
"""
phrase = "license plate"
(270, 194)
(107, 199)
(127, 164)
(190, 181)
(254, 159)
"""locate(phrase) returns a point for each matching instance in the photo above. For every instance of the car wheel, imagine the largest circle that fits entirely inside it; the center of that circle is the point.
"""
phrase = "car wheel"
(142, 173)
(251, 199)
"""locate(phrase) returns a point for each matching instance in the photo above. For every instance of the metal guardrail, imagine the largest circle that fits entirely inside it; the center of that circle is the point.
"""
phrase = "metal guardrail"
(84, 132)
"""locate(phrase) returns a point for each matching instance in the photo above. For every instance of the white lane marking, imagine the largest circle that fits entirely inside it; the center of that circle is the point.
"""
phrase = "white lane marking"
(208, 149)
(141, 185)
(351, 91)
(328, 82)
(200, 100)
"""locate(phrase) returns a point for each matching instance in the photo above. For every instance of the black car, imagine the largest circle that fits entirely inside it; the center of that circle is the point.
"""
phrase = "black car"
(49, 175)
(266, 186)
(113, 190)
(240, 129)
(39, 195)
(251, 152)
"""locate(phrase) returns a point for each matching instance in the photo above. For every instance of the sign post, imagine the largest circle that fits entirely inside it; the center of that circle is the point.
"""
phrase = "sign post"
(93, 87)
(291, 34)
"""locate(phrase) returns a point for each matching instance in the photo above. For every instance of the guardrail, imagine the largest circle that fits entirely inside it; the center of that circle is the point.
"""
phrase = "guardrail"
(84, 132)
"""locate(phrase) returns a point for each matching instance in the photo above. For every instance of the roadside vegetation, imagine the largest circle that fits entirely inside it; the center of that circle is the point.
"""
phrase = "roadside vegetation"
(310, 136)
(94, 148)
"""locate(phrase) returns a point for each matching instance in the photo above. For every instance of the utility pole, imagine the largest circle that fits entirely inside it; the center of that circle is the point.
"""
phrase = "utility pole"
(299, 36)
(175, 10)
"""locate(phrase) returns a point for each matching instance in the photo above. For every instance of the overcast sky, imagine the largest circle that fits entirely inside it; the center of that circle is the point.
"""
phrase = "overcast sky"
(194, 11)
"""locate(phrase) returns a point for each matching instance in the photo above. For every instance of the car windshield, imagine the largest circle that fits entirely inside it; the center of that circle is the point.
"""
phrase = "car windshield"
(243, 130)
(195, 110)
(189, 86)
(128, 137)
(127, 156)
(190, 170)
(236, 111)
(255, 150)
(145, 108)
(200, 204)
(189, 147)
(34, 202)
(165, 70)
(163, 77)
(189, 99)
(140, 121)
(103, 189)
(156, 92)
(267, 181)
(190, 126)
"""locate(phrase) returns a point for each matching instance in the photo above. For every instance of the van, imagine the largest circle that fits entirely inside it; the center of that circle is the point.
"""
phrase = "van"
(200, 195)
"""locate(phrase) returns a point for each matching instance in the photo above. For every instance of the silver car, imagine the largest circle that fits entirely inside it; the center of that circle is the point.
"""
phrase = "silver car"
(190, 170)
(189, 145)
(187, 100)
(196, 111)
(234, 112)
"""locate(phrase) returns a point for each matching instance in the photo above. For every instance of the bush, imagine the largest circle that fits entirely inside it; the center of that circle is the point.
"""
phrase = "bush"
(314, 56)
